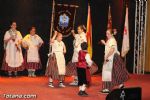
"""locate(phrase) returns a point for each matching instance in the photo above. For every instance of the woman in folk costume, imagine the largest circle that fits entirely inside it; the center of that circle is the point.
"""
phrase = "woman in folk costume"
(13, 58)
(83, 64)
(56, 68)
(32, 42)
(71, 66)
(114, 71)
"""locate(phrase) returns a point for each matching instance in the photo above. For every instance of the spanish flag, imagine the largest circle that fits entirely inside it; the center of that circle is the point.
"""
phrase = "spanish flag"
(89, 32)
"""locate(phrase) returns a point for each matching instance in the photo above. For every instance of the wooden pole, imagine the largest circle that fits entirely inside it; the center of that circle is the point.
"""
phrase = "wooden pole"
(51, 29)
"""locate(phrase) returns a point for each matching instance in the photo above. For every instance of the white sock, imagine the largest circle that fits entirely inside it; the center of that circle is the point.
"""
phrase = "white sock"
(83, 87)
(75, 78)
(121, 85)
(80, 88)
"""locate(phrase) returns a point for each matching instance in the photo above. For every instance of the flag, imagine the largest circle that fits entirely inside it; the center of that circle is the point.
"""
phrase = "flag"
(89, 32)
(64, 18)
(109, 24)
(125, 42)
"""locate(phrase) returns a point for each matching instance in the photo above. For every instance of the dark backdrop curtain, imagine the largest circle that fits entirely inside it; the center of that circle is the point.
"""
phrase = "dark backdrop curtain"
(38, 13)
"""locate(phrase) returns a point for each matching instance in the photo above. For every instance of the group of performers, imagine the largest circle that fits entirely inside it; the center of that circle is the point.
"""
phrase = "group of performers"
(13, 58)
(80, 67)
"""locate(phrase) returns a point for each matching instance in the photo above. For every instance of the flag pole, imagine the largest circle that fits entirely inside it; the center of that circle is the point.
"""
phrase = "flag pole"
(52, 18)
(74, 18)
(51, 29)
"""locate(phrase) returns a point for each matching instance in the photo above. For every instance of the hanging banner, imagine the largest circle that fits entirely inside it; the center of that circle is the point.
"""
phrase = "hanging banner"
(64, 18)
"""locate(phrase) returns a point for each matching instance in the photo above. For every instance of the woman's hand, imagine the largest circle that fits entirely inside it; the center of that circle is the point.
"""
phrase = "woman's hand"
(55, 33)
(73, 32)
(103, 42)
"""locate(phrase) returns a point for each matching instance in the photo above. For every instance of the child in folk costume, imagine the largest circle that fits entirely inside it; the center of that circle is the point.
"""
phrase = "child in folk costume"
(114, 71)
(56, 68)
(13, 58)
(71, 66)
(84, 61)
(32, 42)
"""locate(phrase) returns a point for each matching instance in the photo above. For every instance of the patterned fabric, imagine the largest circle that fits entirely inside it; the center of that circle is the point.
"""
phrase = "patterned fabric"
(119, 73)
(71, 69)
(5, 66)
(52, 69)
(31, 65)
(58, 50)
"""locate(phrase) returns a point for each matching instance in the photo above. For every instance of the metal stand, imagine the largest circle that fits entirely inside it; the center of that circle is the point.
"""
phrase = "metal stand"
(140, 36)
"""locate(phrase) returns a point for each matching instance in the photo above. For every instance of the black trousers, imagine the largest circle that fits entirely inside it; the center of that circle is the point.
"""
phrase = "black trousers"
(81, 72)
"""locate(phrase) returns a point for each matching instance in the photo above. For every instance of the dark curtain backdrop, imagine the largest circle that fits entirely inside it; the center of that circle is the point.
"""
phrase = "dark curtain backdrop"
(130, 55)
(37, 13)
(100, 19)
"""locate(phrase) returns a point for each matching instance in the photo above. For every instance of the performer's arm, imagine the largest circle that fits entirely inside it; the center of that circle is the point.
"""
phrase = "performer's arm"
(110, 53)
(103, 42)
(7, 40)
(73, 33)
(41, 42)
(53, 38)
(7, 37)
(64, 49)
(88, 60)
(24, 42)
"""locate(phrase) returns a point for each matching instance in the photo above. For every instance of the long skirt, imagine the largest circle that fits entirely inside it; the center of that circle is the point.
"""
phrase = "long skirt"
(71, 69)
(119, 73)
(52, 69)
(5, 66)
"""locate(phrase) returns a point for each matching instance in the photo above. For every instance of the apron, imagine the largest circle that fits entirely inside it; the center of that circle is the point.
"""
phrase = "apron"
(14, 57)
(57, 48)
(60, 63)
(108, 66)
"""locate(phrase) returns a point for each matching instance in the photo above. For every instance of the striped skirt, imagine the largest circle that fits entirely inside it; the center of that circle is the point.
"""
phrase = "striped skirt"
(52, 69)
(5, 66)
(119, 73)
(31, 65)
(71, 69)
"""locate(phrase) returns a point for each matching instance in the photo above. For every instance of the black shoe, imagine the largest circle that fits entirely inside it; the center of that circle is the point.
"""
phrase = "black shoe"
(15, 75)
(80, 93)
(84, 93)
(10, 76)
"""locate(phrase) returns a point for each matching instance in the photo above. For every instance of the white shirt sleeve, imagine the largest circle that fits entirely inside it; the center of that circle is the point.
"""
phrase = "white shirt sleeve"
(40, 39)
(6, 36)
(88, 60)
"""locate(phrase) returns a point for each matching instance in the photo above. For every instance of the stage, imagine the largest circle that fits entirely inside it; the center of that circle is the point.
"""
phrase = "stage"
(39, 86)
